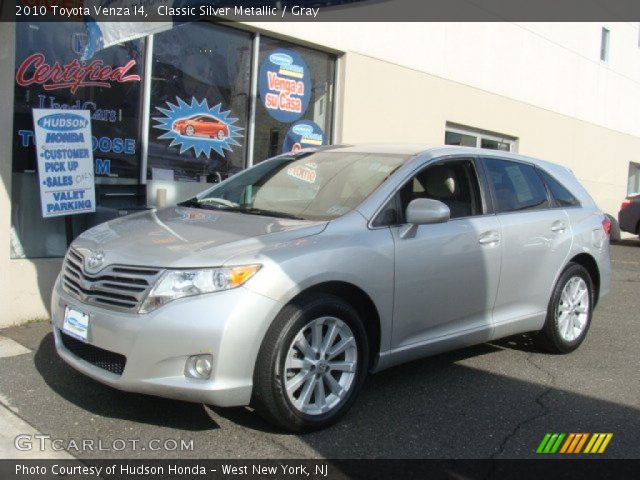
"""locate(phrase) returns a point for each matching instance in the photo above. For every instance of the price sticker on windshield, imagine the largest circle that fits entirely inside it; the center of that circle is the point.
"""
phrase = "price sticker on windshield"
(302, 173)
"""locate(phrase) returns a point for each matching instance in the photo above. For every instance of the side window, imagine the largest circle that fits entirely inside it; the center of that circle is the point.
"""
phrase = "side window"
(517, 186)
(453, 182)
(561, 196)
(389, 214)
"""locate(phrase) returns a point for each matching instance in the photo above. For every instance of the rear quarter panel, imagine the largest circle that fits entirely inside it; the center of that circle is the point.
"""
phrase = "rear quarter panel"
(590, 238)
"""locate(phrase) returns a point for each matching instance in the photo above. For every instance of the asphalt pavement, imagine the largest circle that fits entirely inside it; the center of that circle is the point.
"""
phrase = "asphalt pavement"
(493, 400)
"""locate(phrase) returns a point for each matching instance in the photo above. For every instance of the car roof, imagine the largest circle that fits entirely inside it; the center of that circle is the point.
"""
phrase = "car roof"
(560, 172)
(389, 148)
(435, 150)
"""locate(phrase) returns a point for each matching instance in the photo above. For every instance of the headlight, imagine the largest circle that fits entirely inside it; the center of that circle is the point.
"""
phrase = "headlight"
(174, 284)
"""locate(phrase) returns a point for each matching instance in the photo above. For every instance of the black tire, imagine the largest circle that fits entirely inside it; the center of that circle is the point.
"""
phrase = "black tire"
(269, 395)
(549, 338)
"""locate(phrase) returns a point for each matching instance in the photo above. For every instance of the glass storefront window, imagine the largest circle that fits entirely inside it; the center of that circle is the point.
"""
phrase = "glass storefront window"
(471, 137)
(42, 49)
(200, 89)
(633, 184)
(295, 98)
(199, 104)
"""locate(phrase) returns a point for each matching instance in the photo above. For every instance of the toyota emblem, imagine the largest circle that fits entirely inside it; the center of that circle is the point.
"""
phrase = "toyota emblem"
(94, 260)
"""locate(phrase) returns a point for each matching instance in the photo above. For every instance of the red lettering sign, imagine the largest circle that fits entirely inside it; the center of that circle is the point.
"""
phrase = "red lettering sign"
(74, 75)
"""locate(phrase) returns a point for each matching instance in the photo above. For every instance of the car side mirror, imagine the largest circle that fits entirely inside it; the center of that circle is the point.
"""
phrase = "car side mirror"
(423, 211)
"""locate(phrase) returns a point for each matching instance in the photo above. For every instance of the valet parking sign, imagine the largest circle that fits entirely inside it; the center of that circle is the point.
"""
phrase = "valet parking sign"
(65, 161)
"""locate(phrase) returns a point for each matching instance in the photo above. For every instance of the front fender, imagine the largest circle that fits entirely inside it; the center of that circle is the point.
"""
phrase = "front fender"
(363, 258)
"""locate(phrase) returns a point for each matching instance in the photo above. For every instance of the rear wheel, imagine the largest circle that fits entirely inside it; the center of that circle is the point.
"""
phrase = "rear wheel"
(221, 135)
(569, 312)
(311, 365)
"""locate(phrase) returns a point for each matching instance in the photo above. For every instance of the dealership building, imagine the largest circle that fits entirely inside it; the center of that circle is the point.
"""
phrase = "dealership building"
(177, 111)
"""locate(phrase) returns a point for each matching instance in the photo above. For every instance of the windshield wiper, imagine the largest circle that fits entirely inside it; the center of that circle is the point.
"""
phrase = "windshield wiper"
(267, 213)
(214, 205)
(195, 203)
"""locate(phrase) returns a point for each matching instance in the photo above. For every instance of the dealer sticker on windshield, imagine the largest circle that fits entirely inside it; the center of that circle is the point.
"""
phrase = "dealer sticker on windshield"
(304, 173)
(75, 323)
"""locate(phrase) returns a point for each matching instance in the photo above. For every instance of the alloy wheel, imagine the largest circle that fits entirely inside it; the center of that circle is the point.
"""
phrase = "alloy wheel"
(572, 312)
(321, 365)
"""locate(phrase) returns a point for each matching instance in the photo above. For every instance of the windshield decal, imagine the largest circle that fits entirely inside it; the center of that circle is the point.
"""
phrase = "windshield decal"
(199, 127)
(303, 172)
(337, 210)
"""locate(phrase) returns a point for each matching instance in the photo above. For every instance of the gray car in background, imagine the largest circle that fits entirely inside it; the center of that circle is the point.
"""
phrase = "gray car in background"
(284, 285)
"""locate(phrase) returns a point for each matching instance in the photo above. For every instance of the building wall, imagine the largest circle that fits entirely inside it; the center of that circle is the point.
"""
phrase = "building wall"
(553, 65)
(25, 285)
(387, 103)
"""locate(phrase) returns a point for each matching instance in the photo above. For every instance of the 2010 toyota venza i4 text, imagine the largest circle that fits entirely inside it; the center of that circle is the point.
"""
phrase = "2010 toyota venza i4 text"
(284, 285)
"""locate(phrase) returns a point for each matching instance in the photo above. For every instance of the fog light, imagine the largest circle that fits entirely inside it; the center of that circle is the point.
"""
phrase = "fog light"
(199, 366)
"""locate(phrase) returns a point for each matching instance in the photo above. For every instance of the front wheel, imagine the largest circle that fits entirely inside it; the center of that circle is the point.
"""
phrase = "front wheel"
(311, 364)
(569, 312)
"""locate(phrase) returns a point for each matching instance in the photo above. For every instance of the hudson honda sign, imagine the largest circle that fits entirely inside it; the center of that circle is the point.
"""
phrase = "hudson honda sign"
(73, 75)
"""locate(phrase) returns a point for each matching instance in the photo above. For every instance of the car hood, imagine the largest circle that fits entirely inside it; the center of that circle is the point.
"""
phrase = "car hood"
(181, 237)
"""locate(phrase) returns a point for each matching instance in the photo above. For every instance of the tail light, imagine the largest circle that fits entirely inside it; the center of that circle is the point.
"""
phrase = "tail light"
(606, 225)
(625, 204)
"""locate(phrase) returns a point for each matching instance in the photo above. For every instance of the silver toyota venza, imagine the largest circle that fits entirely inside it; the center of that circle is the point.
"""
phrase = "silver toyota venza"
(284, 285)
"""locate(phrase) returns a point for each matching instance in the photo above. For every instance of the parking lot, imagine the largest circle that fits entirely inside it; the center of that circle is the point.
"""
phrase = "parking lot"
(493, 400)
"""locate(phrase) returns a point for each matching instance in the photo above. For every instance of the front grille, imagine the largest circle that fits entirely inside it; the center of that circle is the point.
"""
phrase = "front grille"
(117, 287)
(109, 361)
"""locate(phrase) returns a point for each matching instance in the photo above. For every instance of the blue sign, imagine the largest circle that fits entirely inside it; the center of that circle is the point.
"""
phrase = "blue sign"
(284, 82)
(304, 134)
(62, 122)
(197, 126)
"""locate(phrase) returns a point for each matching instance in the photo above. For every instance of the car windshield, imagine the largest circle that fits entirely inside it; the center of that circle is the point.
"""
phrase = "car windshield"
(316, 186)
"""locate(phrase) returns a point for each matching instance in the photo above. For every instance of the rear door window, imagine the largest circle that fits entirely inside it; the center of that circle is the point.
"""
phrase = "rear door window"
(561, 196)
(517, 186)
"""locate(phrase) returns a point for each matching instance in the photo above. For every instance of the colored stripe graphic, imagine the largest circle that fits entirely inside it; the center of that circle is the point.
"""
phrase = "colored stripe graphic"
(574, 443)
(598, 443)
(543, 443)
(581, 443)
(567, 443)
(550, 443)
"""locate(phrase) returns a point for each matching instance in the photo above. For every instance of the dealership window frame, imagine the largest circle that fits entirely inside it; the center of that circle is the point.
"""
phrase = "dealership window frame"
(257, 35)
(145, 107)
(633, 179)
(481, 135)
(605, 44)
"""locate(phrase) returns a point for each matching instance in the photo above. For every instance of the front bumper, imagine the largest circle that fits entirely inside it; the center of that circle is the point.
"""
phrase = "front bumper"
(230, 325)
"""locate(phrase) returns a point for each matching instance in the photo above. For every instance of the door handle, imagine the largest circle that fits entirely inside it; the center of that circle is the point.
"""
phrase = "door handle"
(558, 226)
(489, 238)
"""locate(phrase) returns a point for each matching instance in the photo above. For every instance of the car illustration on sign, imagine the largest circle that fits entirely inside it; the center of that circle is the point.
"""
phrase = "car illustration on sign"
(201, 126)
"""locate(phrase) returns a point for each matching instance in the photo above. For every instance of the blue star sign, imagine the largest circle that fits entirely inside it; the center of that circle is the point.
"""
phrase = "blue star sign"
(199, 127)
